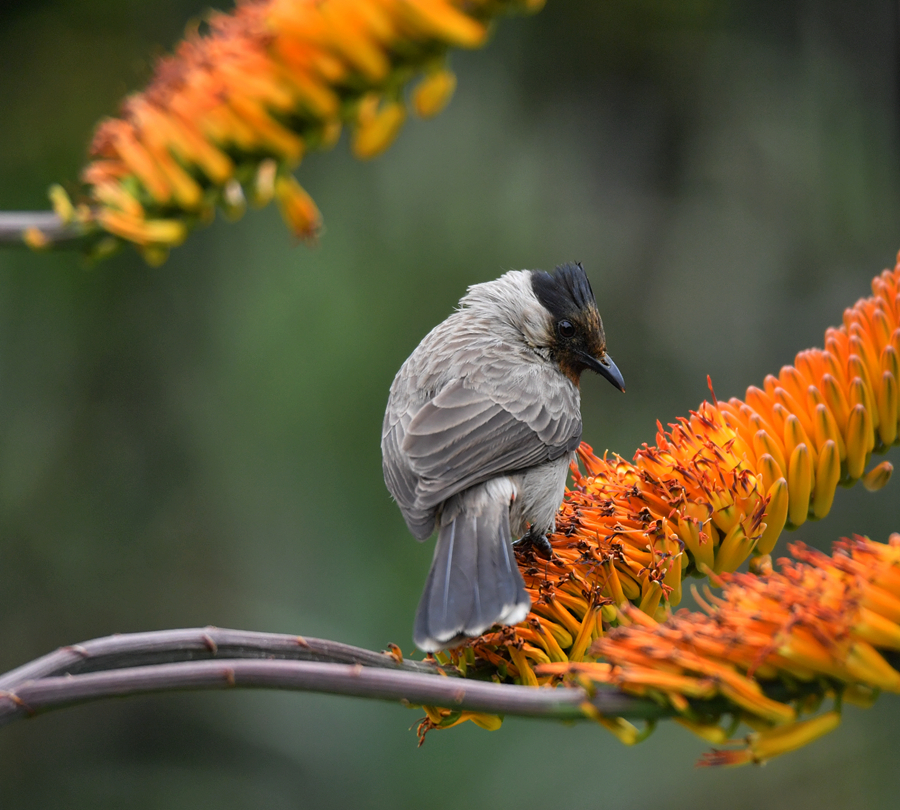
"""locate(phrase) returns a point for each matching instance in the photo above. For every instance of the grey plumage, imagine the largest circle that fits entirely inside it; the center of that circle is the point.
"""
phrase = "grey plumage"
(474, 581)
(481, 424)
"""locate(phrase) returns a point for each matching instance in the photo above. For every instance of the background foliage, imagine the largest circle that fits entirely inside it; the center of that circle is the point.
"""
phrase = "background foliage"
(198, 443)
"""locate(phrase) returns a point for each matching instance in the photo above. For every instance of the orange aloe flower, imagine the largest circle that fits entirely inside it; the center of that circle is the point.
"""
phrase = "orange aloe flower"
(233, 111)
(822, 626)
(717, 489)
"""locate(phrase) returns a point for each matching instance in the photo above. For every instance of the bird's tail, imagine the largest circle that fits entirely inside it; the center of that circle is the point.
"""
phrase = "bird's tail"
(474, 581)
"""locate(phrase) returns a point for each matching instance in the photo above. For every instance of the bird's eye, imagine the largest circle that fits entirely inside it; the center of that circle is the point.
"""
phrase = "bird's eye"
(565, 329)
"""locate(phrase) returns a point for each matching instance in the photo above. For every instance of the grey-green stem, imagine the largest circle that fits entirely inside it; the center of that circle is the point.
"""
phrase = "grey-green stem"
(213, 658)
(56, 233)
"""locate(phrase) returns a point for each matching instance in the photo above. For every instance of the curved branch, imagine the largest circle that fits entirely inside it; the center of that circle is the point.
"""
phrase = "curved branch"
(37, 229)
(197, 643)
(563, 703)
(213, 658)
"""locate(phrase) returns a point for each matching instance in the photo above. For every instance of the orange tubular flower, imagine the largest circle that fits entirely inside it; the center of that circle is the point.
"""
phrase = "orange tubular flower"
(267, 83)
(818, 627)
(719, 488)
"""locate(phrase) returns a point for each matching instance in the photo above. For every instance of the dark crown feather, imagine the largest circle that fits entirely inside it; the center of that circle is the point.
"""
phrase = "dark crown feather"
(565, 292)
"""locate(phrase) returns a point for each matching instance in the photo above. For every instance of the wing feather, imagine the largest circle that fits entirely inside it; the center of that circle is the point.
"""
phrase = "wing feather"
(463, 437)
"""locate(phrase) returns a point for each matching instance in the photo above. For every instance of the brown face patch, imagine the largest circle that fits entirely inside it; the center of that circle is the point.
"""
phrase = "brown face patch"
(577, 330)
(592, 327)
(588, 339)
(572, 369)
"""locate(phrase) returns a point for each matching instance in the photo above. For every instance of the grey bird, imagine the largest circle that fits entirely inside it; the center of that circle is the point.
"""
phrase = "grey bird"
(481, 425)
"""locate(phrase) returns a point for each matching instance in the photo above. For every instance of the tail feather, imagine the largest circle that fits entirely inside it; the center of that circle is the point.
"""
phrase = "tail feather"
(474, 580)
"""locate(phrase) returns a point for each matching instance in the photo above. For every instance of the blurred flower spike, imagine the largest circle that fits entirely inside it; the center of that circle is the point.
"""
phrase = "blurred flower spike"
(234, 110)
(716, 490)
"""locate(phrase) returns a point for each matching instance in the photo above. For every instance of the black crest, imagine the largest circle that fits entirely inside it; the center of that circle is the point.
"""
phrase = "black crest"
(565, 292)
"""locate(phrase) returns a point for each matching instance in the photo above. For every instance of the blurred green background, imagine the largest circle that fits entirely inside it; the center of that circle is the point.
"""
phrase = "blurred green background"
(199, 443)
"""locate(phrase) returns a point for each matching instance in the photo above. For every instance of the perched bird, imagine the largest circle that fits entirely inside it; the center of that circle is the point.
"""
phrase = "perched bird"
(482, 422)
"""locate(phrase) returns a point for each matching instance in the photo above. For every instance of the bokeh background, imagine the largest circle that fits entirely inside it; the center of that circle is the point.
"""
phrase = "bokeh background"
(198, 443)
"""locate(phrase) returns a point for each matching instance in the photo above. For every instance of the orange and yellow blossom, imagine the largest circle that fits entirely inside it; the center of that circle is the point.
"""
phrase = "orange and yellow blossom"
(257, 91)
(716, 489)
(822, 626)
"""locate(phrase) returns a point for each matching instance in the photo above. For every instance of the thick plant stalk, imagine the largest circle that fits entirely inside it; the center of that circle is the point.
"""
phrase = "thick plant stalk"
(213, 658)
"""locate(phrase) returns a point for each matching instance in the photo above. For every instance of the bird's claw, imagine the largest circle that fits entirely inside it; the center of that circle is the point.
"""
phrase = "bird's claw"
(537, 542)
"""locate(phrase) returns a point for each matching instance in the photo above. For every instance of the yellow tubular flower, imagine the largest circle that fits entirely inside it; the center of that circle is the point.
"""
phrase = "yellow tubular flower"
(878, 476)
(377, 125)
(269, 81)
(35, 239)
(763, 746)
(297, 208)
(433, 93)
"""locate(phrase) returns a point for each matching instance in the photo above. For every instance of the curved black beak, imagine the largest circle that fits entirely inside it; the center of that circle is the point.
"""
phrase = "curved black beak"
(605, 367)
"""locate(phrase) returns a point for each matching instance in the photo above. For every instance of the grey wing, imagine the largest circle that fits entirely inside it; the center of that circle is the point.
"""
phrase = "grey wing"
(400, 478)
(465, 436)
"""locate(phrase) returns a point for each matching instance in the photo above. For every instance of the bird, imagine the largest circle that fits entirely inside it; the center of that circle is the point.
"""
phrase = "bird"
(481, 425)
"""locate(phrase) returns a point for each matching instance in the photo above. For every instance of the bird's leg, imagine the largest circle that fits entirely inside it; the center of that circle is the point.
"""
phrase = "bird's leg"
(537, 541)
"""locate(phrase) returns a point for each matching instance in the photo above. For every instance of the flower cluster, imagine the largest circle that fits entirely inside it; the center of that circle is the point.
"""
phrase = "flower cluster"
(230, 114)
(817, 628)
(716, 489)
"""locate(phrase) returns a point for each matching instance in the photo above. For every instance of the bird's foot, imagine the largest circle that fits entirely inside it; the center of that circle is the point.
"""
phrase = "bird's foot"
(536, 542)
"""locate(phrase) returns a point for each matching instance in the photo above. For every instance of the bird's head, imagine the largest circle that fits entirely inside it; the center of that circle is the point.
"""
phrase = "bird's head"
(575, 332)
